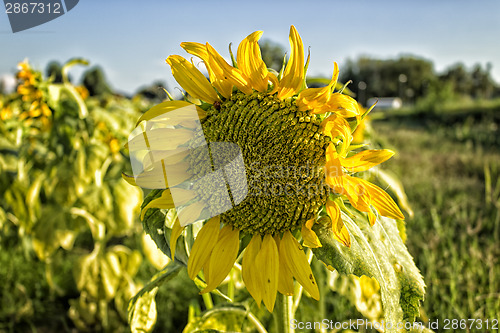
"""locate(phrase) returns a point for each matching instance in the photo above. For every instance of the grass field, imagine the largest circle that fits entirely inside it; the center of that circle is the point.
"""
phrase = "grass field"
(449, 164)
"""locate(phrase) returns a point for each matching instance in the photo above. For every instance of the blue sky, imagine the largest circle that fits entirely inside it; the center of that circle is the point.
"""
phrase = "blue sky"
(131, 39)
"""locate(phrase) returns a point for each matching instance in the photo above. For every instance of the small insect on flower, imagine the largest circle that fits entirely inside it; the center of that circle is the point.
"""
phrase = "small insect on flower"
(259, 156)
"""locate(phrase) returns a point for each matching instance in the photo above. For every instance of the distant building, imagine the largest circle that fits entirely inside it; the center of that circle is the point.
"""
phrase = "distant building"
(385, 103)
(7, 83)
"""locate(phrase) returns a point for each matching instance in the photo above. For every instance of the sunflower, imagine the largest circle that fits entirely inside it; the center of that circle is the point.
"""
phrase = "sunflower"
(296, 162)
(29, 89)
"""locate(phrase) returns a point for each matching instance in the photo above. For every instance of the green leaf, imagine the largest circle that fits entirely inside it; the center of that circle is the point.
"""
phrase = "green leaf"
(142, 315)
(378, 252)
(142, 307)
(202, 285)
(71, 63)
(54, 229)
(54, 95)
(127, 200)
(226, 318)
(33, 202)
(82, 108)
(155, 226)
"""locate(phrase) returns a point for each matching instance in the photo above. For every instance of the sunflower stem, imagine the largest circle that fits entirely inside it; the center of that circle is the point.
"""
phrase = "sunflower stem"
(283, 314)
(207, 299)
(322, 285)
(297, 297)
(230, 286)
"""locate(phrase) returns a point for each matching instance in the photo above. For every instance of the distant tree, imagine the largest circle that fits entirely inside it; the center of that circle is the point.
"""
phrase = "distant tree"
(154, 92)
(476, 83)
(460, 79)
(482, 83)
(54, 70)
(95, 82)
(407, 77)
(272, 54)
(438, 94)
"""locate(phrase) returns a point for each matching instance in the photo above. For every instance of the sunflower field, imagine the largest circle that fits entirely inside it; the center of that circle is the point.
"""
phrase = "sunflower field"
(89, 244)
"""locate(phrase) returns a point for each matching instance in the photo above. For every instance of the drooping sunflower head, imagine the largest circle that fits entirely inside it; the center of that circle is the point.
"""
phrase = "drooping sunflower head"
(282, 144)
(278, 151)
(283, 150)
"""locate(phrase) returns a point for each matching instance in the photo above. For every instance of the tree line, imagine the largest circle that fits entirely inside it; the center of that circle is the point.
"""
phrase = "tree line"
(414, 80)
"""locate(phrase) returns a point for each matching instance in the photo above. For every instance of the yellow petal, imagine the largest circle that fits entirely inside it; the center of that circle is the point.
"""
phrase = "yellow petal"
(333, 168)
(274, 82)
(249, 271)
(357, 193)
(343, 105)
(225, 72)
(191, 79)
(129, 179)
(372, 218)
(340, 231)
(196, 49)
(223, 257)
(153, 178)
(206, 269)
(267, 263)
(315, 98)
(177, 173)
(166, 107)
(169, 157)
(160, 139)
(203, 246)
(294, 74)
(337, 184)
(250, 62)
(176, 232)
(224, 87)
(285, 279)
(382, 201)
(310, 238)
(165, 201)
(156, 176)
(191, 213)
(182, 196)
(335, 126)
(45, 110)
(366, 159)
(296, 261)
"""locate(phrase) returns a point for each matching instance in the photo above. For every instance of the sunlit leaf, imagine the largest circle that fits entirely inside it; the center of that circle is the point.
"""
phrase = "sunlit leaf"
(142, 314)
(53, 230)
(378, 252)
(142, 307)
(227, 318)
(155, 225)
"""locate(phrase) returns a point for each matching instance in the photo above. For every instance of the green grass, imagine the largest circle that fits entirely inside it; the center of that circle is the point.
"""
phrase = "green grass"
(28, 303)
(450, 170)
